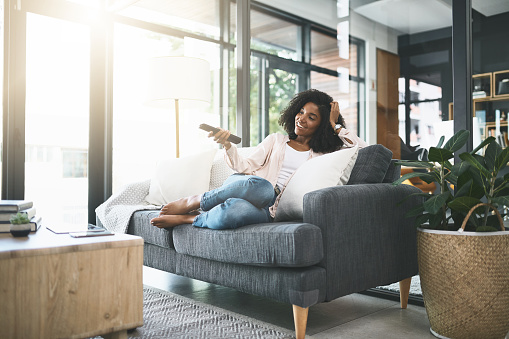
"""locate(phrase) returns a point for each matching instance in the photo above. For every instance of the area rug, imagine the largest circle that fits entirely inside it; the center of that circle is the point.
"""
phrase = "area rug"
(168, 315)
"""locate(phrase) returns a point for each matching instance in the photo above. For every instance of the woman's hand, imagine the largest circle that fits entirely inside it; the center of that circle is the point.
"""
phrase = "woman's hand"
(220, 137)
(334, 115)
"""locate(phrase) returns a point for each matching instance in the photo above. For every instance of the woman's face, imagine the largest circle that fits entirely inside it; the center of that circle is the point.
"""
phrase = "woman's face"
(307, 120)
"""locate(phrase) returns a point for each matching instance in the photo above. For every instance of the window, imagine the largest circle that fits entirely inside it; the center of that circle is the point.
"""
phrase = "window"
(143, 131)
(57, 115)
(425, 114)
(338, 74)
(275, 36)
(197, 16)
(279, 70)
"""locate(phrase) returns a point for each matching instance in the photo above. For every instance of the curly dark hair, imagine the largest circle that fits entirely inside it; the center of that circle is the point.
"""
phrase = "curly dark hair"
(324, 140)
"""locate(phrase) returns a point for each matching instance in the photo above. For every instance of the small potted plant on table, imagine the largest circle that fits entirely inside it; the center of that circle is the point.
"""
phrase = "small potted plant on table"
(462, 247)
(20, 225)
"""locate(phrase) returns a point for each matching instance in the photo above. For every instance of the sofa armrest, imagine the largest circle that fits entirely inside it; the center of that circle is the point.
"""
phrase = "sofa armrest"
(366, 235)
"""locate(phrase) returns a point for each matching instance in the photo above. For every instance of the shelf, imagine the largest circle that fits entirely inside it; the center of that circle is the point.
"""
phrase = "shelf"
(501, 84)
(481, 86)
(489, 106)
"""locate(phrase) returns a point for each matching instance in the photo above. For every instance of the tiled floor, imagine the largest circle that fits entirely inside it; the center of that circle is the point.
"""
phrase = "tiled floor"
(353, 316)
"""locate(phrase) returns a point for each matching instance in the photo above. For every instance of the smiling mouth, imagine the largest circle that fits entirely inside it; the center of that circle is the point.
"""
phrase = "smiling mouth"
(299, 125)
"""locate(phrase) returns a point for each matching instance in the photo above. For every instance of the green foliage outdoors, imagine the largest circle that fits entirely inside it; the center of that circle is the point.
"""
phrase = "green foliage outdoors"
(475, 178)
(19, 218)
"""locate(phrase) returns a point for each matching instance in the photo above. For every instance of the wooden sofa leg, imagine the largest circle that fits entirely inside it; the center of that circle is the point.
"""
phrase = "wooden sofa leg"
(300, 318)
(404, 291)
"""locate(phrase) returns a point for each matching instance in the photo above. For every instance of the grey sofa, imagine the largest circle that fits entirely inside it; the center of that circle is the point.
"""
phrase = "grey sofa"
(351, 238)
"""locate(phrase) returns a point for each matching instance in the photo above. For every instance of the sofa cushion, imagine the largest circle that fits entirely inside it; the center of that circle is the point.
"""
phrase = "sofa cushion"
(140, 226)
(327, 170)
(393, 172)
(371, 165)
(269, 244)
(180, 177)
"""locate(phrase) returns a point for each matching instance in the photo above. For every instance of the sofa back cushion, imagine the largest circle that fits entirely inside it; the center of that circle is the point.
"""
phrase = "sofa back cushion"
(393, 172)
(371, 166)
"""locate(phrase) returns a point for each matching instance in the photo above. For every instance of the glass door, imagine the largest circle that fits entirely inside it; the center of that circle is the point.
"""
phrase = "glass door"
(57, 118)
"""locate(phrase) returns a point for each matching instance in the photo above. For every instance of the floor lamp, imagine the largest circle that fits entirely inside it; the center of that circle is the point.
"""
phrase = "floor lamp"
(179, 78)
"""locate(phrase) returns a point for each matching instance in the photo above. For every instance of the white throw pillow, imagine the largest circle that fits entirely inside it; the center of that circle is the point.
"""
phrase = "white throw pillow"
(324, 171)
(181, 177)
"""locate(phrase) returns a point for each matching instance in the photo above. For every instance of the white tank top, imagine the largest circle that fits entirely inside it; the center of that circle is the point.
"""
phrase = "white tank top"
(293, 159)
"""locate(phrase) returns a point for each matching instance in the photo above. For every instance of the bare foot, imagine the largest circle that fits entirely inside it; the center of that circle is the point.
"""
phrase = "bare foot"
(165, 221)
(181, 206)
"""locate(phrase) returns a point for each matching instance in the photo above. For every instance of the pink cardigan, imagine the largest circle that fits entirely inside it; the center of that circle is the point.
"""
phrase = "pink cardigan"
(267, 159)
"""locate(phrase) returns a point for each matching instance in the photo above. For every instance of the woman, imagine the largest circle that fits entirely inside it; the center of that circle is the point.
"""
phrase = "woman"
(314, 126)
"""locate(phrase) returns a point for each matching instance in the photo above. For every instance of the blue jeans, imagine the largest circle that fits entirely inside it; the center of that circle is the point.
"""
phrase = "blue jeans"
(241, 200)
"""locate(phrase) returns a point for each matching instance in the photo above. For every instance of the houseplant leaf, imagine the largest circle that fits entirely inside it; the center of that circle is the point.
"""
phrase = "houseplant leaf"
(439, 154)
(421, 219)
(423, 175)
(441, 141)
(415, 211)
(471, 159)
(463, 204)
(418, 164)
(491, 154)
(434, 204)
(502, 159)
(482, 144)
(501, 201)
(457, 141)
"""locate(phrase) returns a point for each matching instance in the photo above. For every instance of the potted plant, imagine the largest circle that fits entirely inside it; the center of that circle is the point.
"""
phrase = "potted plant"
(20, 225)
(463, 248)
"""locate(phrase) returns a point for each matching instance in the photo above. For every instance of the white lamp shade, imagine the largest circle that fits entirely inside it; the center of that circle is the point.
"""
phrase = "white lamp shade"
(174, 77)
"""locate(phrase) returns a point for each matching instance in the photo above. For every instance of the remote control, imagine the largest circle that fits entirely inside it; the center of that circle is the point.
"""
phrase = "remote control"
(232, 138)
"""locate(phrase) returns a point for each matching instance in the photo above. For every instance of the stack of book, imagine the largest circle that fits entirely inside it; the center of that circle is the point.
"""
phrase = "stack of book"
(11, 207)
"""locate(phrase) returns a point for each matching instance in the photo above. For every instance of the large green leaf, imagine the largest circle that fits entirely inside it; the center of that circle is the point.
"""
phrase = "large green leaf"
(441, 141)
(503, 200)
(491, 154)
(411, 163)
(464, 186)
(482, 144)
(457, 141)
(502, 159)
(434, 204)
(439, 154)
(460, 168)
(421, 219)
(480, 181)
(422, 175)
(463, 204)
(415, 211)
(493, 222)
(436, 221)
(471, 159)
(502, 187)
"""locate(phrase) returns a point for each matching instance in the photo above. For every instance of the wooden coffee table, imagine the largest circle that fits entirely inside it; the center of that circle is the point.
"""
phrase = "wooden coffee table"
(56, 286)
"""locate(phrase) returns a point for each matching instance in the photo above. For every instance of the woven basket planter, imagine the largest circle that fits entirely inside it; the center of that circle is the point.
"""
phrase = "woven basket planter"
(465, 282)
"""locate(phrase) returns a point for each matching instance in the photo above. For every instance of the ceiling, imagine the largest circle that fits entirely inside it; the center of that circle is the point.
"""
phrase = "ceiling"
(414, 16)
